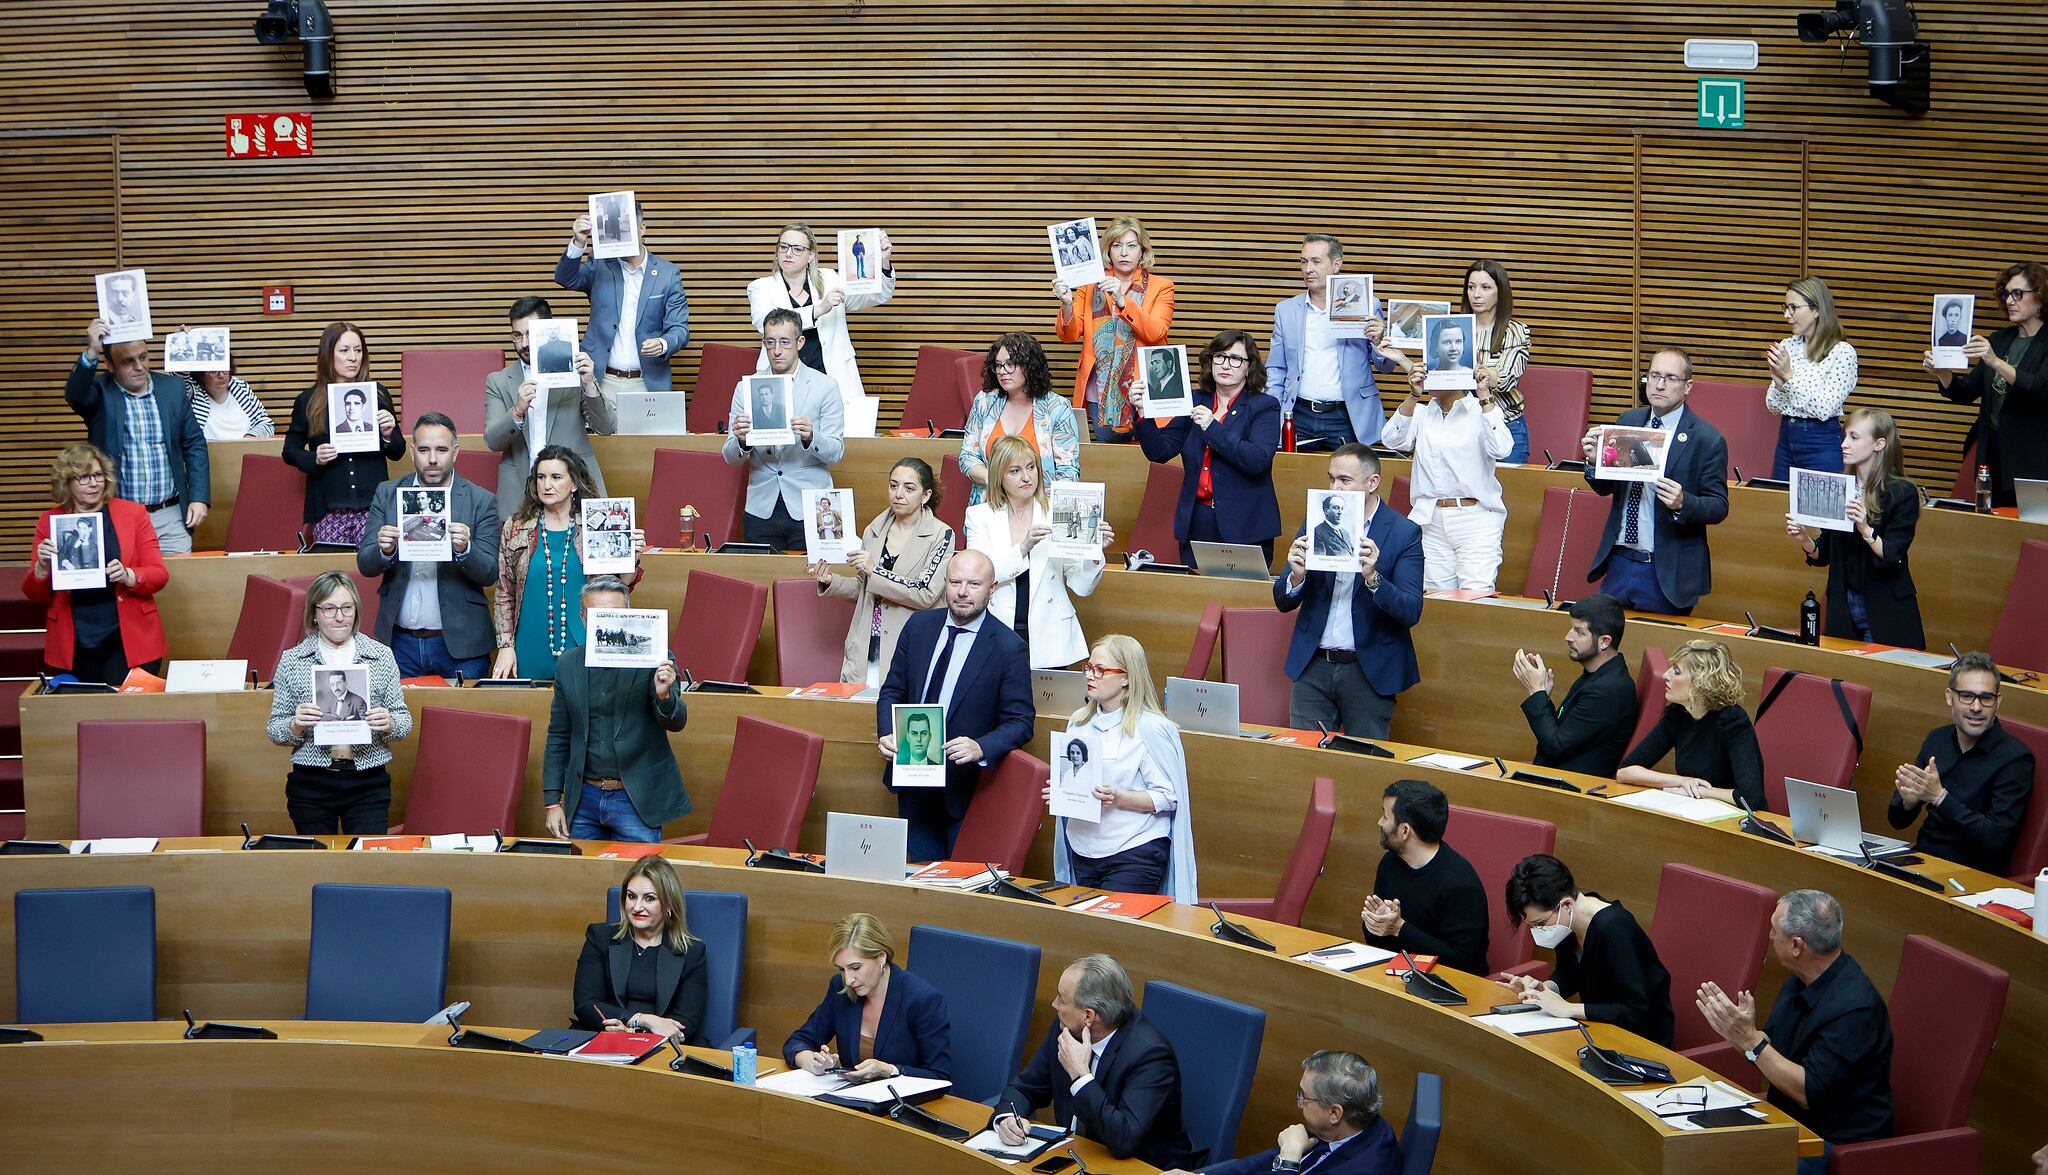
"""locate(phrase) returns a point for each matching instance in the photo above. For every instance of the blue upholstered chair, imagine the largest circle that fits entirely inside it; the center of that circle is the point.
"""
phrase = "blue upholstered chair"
(720, 919)
(1217, 1043)
(379, 952)
(989, 985)
(85, 954)
(1425, 1123)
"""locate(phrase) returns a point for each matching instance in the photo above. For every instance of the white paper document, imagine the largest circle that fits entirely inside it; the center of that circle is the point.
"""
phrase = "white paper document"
(627, 638)
(1076, 256)
(114, 844)
(2018, 899)
(608, 536)
(828, 526)
(1346, 956)
(1689, 1097)
(81, 562)
(124, 305)
(1919, 657)
(1821, 500)
(352, 417)
(206, 677)
(1527, 1023)
(203, 348)
(1673, 804)
(1076, 509)
(459, 842)
(771, 405)
(423, 525)
(988, 1142)
(1336, 522)
(1449, 762)
(1076, 769)
(806, 1084)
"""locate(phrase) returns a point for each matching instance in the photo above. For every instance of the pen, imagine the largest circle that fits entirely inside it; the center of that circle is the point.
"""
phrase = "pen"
(1958, 885)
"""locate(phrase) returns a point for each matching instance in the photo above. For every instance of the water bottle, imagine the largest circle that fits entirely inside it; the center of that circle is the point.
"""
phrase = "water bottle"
(2041, 905)
(1287, 433)
(745, 1061)
(1983, 489)
(1809, 620)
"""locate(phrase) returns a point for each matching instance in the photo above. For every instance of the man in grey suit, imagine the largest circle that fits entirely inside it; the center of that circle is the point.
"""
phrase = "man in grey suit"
(778, 475)
(434, 617)
(520, 420)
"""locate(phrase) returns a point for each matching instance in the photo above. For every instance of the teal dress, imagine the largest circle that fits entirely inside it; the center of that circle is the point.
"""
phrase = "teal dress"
(549, 625)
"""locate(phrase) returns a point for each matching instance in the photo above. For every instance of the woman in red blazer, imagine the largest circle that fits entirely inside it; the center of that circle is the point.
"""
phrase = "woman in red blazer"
(98, 634)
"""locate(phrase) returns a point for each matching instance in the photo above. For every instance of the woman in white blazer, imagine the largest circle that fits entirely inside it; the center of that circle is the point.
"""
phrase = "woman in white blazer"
(1012, 528)
(819, 297)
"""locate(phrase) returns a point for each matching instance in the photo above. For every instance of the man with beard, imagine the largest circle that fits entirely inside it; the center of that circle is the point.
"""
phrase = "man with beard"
(521, 418)
(1426, 898)
(1589, 731)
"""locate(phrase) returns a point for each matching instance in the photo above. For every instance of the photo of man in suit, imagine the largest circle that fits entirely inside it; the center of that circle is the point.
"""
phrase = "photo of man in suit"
(337, 702)
(917, 746)
(124, 299)
(768, 411)
(352, 420)
(1162, 375)
(78, 547)
(1954, 331)
(1331, 537)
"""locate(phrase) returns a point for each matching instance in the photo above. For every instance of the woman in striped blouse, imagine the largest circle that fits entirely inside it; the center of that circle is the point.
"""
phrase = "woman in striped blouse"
(1812, 374)
(1502, 347)
(225, 407)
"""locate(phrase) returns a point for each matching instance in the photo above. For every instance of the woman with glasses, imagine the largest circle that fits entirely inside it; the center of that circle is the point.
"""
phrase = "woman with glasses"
(1034, 588)
(1226, 448)
(1603, 956)
(1130, 307)
(818, 296)
(339, 485)
(97, 634)
(337, 786)
(1455, 439)
(2008, 381)
(1812, 374)
(1717, 755)
(537, 609)
(1870, 589)
(1016, 400)
(1143, 841)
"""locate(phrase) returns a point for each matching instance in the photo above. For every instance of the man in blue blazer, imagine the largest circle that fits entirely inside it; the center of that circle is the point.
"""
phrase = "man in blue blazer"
(1352, 650)
(1231, 436)
(1341, 1131)
(1653, 555)
(167, 474)
(636, 344)
(960, 658)
(433, 615)
(1324, 383)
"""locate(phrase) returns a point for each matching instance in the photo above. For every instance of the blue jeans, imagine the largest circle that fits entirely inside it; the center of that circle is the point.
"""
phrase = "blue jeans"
(609, 815)
(425, 656)
(1859, 616)
(1807, 444)
(1105, 435)
(1634, 585)
(1518, 428)
(1335, 425)
(1818, 1165)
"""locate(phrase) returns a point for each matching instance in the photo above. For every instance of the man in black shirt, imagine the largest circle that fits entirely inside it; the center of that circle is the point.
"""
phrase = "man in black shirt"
(1827, 1048)
(1589, 731)
(1425, 898)
(1975, 780)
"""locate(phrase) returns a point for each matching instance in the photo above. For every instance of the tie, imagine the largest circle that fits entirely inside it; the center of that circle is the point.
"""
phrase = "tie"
(1631, 530)
(1314, 1155)
(937, 681)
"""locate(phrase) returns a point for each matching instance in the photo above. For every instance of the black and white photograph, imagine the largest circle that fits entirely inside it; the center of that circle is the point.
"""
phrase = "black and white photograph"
(770, 406)
(1447, 353)
(1821, 500)
(1349, 297)
(1076, 768)
(352, 417)
(124, 304)
(552, 342)
(1076, 509)
(423, 525)
(920, 746)
(203, 348)
(342, 692)
(827, 536)
(627, 638)
(614, 225)
(860, 260)
(1166, 381)
(1076, 254)
(608, 536)
(1630, 454)
(1954, 315)
(1404, 321)
(81, 558)
(1336, 523)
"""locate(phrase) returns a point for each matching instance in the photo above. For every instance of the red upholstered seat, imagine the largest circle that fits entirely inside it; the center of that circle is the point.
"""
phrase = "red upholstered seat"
(1153, 531)
(1567, 537)
(268, 506)
(467, 772)
(1737, 410)
(952, 507)
(2019, 637)
(704, 480)
(1966, 475)
(720, 368)
(1804, 736)
(1918, 1154)
(1397, 494)
(1649, 691)
(1304, 865)
(934, 396)
(2030, 847)
(450, 382)
(1708, 927)
(1555, 401)
(1495, 843)
(1204, 647)
(718, 626)
(1255, 660)
(768, 786)
(1003, 818)
(810, 633)
(141, 777)
(967, 370)
(479, 467)
(272, 620)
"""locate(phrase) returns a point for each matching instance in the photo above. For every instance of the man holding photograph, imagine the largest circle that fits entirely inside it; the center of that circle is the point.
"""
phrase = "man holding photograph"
(639, 315)
(1324, 383)
(140, 418)
(916, 747)
(520, 419)
(434, 616)
(778, 476)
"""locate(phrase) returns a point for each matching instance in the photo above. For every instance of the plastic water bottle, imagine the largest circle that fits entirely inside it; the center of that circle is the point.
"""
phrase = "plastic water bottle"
(745, 1062)
(1809, 620)
(1983, 489)
(2041, 905)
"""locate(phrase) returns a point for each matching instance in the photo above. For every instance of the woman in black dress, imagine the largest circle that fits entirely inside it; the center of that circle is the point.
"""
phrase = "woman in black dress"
(1603, 956)
(1704, 720)
(1870, 589)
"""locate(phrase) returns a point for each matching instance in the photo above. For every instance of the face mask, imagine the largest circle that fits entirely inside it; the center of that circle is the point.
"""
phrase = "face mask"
(1550, 937)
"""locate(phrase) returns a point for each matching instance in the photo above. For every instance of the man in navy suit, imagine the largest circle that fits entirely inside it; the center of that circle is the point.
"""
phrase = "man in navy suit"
(1654, 552)
(639, 316)
(1352, 650)
(1341, 1131)
(162, 461)
(965, 660)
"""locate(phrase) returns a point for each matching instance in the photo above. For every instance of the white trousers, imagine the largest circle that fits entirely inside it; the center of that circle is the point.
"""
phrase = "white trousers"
(1461, 548)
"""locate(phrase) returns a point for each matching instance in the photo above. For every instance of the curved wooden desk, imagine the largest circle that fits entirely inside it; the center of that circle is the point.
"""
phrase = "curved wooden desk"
(232, 930)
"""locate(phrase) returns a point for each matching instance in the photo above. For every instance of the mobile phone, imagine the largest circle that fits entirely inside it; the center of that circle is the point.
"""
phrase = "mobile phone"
(1513, 1009)
(1053, 1164)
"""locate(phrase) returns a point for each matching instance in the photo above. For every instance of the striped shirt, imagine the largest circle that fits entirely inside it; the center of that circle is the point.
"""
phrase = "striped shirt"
(254, 421)
(1508, 361)
(145, 461)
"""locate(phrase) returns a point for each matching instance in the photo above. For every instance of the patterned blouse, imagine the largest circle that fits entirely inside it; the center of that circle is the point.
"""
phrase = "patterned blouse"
(1814, 391)
(1508, 362)
(1052, 418)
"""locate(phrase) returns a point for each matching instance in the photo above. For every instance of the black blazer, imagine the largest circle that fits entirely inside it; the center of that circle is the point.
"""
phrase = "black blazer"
(349, 481)
(1132, 1106)
(1890, 602)
(1244, 441)
(991, 699)
(915, 1033)
(2019, 446)
(1698, 461)
(680, 984)
(1589, 731)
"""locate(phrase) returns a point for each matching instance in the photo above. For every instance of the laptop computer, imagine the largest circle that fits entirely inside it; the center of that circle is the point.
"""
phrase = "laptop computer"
(2032, 496)
(1828, 818)
(1206, 706)
(858, 845)
(658, 414)
(1057, 693)
(1231, 560)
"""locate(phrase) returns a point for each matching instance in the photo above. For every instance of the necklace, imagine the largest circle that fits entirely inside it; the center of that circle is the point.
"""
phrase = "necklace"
(557, 611)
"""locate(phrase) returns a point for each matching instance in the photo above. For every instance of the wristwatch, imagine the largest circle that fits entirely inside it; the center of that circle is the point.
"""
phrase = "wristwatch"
(1372, 582)
(1280, 1164)
(1755, 1054)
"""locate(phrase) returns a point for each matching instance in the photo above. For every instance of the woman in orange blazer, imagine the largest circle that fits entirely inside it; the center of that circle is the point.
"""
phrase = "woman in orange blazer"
(1132, 307)
(98, 634)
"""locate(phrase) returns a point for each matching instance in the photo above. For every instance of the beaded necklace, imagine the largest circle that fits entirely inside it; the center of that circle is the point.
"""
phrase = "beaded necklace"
(557, 611)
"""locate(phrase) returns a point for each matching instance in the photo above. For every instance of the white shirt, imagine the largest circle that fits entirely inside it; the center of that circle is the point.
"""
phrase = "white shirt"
(1321, 379)
(1454, 453)
(536, 422)
(625, 354)
(1337, 633)
(226, 420)
(963, 644)
(421, 606)
(1646, 520)
(1127, 767)
(1096, 1048)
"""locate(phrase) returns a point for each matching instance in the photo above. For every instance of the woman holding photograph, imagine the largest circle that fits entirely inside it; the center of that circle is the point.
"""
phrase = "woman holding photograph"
(819, 297)
(1455, 438)
(339, 485)
(1016, 400)
(330, 788)
(1144, 841)
(225, 407)
(1034, 589)
(1870, 589)
(1717, 751)
(98, 634)
(1130, 307)
(1812, 373)
(2008, 381)
(1501, 346)
(1226, 449)
(537, 607)
(899, 569)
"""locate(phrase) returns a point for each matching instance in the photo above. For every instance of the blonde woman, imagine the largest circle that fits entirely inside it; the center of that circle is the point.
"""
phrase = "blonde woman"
(97, 634)
(884, 1021)
(1130, 307)
(1144, 840)
(818, 296)
(1870, 589)
(645, 972)
(1812, 373)
(1704, 720)
(1034, 589)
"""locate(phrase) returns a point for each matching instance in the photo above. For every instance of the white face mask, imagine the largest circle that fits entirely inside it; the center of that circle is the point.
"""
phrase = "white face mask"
(1551, 936)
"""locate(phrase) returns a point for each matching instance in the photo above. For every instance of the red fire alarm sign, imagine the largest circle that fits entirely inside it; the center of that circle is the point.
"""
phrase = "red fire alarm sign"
(277, 299)
(269, 136)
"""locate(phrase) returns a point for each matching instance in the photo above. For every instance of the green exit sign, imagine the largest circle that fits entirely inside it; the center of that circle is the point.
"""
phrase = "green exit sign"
(1721, 102)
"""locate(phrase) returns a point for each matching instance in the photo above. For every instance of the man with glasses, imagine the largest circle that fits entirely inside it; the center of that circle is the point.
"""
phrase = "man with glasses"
(779, 475)
(1324, 383)
(639, 315)
(1973, 778)
(519, 421)
(1341, 1131)
(1653, 556)
(139, 418)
